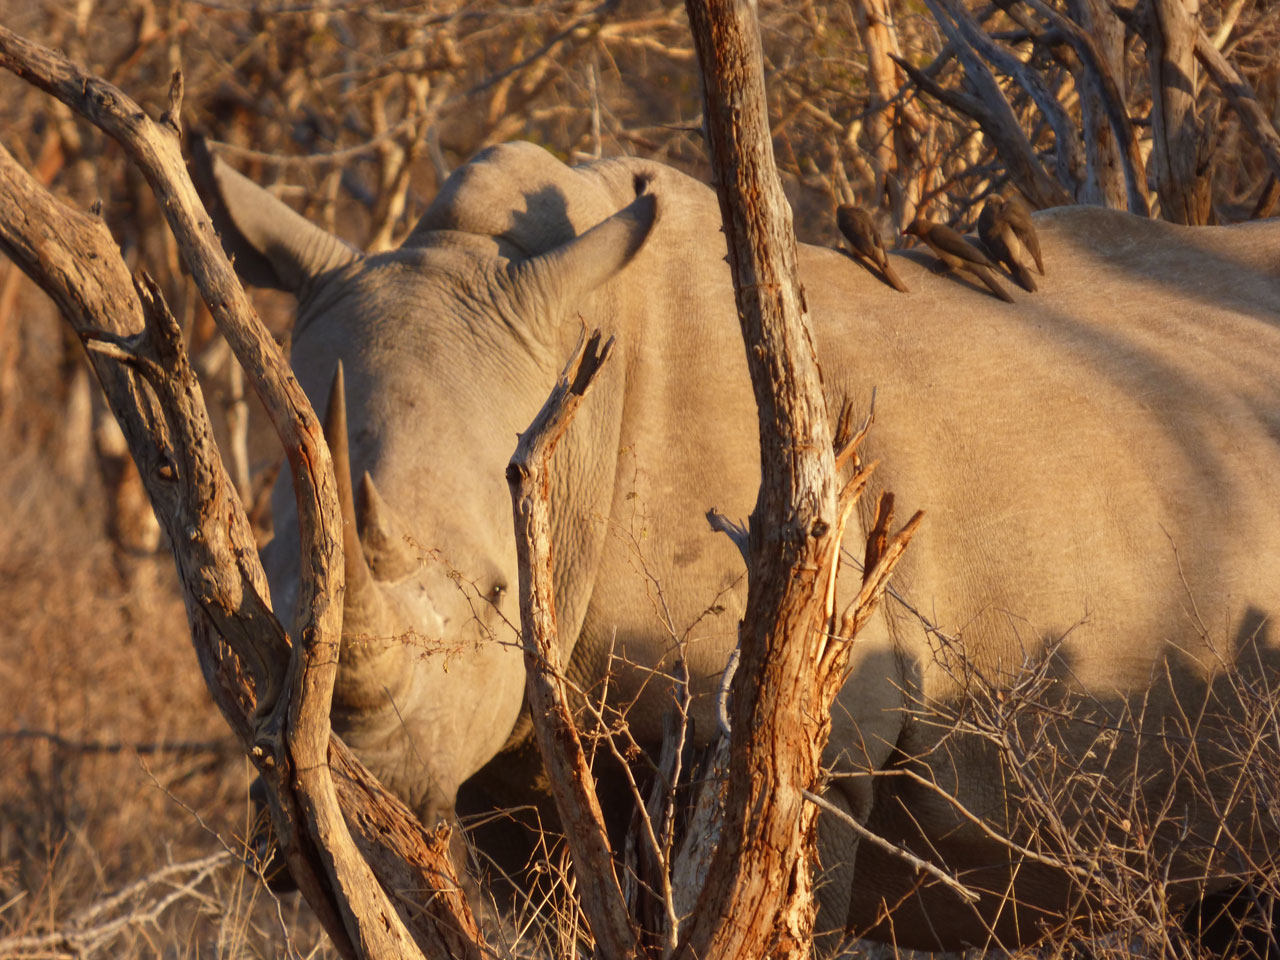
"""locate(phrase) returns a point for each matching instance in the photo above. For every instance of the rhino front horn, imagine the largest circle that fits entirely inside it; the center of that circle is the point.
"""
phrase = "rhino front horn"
(362, 602)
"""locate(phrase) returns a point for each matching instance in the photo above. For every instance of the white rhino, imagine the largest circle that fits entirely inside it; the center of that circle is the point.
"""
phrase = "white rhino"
(1098, 463)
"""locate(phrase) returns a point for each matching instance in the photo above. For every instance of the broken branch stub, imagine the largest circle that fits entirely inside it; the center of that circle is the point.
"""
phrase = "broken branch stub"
(572, 783)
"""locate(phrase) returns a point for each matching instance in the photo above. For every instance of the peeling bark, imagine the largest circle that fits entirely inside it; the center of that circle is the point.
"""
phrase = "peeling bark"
(758, 900)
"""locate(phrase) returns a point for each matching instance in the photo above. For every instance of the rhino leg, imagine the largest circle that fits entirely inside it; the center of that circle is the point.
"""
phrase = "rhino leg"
(866, 720)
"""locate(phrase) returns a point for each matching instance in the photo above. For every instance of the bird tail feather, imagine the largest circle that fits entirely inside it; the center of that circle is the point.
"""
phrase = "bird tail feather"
(893, 279)
(985, 276)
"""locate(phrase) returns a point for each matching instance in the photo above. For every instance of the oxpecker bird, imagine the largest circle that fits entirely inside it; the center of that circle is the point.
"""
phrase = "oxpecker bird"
(957, 253)
(859, 228)
(1018, 214)
(1002, 242)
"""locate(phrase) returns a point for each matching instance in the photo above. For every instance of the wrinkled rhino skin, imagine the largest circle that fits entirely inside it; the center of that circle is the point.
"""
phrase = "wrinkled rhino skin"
(1097, 463)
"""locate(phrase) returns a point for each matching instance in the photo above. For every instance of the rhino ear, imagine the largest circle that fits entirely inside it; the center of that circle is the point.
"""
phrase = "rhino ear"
(272, 245)
(558, 279)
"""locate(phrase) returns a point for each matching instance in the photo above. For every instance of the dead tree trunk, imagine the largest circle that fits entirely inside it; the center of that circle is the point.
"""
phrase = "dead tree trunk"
(1171, 30)
(757, 900)
(894, 127)
(871, 17)
(1104, 183)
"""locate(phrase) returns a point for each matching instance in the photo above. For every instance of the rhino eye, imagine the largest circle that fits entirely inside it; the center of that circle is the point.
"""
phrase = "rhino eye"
(497, 592)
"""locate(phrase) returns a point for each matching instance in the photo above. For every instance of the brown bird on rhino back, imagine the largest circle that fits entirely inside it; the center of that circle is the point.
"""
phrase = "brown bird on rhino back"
(859, 228)
(957, 253)
(1000, 239)
(1018, 216)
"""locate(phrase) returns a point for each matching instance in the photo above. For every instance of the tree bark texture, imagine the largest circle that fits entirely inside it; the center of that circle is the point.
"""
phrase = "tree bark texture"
(871, 17)
(1243, 101)
(993, 114)
(273, 687)
(1104, 183)
(757, 900)
(1099, 85)
(1171, 30)
(895, 126)
(970, 39)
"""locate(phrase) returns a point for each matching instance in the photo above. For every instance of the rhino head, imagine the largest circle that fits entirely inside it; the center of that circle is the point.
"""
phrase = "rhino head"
(431, 359)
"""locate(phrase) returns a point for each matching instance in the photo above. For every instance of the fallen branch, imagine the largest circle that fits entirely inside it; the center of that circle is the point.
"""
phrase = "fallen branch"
(138, 905)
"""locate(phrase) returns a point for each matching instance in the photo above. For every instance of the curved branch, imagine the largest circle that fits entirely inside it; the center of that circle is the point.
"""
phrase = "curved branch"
(289, 729)
(1003, 130)
(1070, 160)
(1099, 77)
(1242, 99)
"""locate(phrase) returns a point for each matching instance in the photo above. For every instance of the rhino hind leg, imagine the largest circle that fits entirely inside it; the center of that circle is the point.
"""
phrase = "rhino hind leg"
(837, 847)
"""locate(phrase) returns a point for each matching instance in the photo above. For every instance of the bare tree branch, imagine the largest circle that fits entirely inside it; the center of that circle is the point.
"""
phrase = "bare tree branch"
(1104, 86)
(1242, 99)
(528, 476)
(162, 411)
(997, 122)
(1070, 161)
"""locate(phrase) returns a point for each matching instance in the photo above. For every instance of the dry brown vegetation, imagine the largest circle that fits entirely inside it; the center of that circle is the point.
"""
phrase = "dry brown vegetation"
(115, 764)
(116, 767)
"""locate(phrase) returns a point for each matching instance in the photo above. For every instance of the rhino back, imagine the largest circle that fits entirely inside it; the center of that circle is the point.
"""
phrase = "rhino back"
(1097, 467)
(1100, 454)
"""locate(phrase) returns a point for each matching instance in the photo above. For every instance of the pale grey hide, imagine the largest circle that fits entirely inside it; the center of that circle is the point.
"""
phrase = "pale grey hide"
(1098, 463)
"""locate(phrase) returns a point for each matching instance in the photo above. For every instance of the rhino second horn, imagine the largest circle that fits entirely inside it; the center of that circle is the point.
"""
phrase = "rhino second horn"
(361, 605)
(382, 535)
